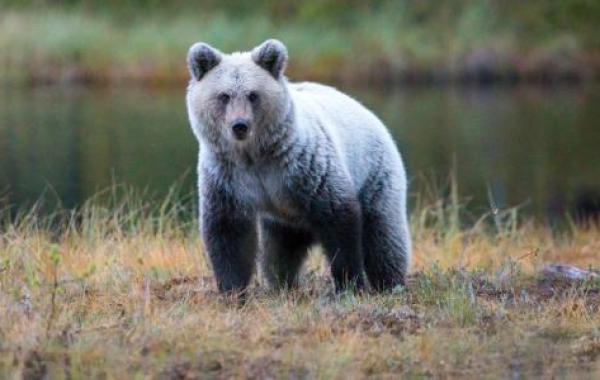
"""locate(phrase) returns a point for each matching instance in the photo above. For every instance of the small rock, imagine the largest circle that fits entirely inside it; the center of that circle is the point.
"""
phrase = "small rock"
(568, 272)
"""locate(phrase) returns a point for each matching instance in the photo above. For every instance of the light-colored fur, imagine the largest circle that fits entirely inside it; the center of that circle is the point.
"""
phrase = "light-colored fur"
(310, 152)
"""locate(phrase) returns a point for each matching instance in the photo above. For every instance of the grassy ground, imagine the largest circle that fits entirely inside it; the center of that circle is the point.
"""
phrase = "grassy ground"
(126, 291)
(386, 41)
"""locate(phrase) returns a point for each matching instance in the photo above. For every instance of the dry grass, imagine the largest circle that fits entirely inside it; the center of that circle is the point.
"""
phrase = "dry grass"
(125, 291)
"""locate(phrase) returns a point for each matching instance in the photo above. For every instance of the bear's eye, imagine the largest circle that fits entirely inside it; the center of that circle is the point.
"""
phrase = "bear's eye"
(252, 97)
(224, 98)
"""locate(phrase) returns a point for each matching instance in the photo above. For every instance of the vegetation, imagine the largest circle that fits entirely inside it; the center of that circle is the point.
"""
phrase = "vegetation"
(380, 41)
(120, 286)
(124, 290)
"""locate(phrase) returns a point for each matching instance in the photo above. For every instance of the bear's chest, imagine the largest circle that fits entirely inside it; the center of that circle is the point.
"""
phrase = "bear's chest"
(265, 190)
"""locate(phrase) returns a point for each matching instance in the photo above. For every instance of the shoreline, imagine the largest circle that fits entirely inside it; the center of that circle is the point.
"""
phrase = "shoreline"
(81, 77)
(63, 45)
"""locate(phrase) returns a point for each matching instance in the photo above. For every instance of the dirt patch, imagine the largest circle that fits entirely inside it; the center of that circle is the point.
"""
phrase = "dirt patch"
(375, 321)
(34, 367)
(161, 290)
(263, 367)
(195, 289)
(189, 370)
(537, 288)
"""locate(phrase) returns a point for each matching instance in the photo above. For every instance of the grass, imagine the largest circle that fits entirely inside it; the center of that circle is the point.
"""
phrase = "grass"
(123, 289)
(330, 40)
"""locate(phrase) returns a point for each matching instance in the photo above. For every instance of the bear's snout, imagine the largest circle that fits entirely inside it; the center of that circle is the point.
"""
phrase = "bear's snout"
(240, 129)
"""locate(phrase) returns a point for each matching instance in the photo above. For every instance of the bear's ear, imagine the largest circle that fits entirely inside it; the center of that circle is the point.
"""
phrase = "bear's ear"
(201, 58)
(272, 56)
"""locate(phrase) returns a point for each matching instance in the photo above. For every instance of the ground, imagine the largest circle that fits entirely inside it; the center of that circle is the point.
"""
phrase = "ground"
(123, 292)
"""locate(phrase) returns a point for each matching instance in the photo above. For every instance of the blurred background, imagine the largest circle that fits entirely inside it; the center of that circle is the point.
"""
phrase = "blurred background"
(497, 101)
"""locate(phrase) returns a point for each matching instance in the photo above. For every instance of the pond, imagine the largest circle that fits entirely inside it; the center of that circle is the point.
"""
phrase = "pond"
(533, 147)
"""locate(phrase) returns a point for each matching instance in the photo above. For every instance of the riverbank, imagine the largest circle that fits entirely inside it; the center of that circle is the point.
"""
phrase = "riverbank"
(126, 291)
(387, 44)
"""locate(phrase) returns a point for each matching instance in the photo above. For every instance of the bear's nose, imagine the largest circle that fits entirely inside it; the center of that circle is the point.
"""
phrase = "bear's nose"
(240, 129)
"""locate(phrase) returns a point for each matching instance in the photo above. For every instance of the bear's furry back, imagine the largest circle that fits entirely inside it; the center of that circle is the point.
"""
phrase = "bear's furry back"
(360, 138)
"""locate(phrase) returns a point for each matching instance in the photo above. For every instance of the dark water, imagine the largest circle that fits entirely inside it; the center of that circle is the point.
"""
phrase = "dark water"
(536, 147)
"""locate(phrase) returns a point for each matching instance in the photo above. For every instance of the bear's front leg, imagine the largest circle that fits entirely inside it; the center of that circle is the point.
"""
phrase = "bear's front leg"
(229, 235)
(339, 227)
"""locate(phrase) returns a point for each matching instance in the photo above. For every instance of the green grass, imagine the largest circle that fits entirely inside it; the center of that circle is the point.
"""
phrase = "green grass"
(384, 42)
(123, 289)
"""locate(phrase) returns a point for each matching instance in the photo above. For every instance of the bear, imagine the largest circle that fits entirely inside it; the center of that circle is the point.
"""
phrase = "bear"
(284, 166)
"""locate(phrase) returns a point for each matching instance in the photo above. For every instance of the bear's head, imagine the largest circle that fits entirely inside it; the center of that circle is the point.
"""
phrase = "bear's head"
(236, 100)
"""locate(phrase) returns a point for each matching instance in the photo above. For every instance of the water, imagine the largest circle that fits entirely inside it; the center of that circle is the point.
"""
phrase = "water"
(538, 147)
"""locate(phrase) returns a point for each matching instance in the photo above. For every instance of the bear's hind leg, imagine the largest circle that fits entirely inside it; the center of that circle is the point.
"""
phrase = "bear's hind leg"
(386, 244)
(284, 250)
